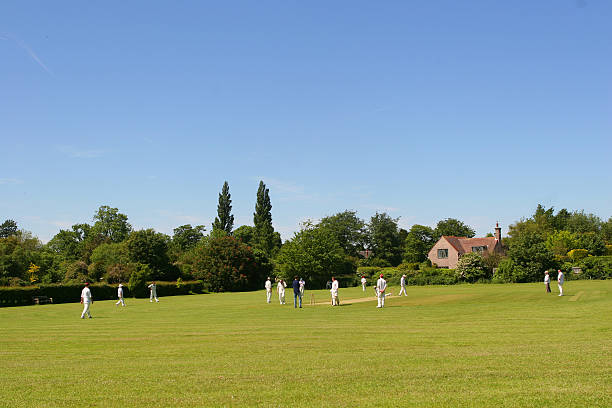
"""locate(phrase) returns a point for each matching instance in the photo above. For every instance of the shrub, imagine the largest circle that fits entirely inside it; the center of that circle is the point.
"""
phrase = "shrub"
(577, 254)
(368, 271)
(471, 268)
(137, 284)
(608, 250)
(597, 267)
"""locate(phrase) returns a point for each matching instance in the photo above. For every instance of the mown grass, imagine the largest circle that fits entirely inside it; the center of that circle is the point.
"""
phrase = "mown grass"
(465, 345)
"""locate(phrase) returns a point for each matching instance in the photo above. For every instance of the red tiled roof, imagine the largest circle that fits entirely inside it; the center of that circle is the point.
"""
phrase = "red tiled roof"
(463, 244)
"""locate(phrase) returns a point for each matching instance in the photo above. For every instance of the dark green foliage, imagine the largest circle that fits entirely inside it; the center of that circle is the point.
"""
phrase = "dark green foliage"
(596, 267)
(71, 293)
(593, 243)
(313, 254)
(348, 229)
(151, 248)
(111, 224)
(8, 228)
(452, 227)
(224, 222)
(226, 264)
(384, 240)
(245, 234)
(424, 276)
(137, 284)
(263, 234)
(530, 258)
(186, 237)
(418, 242)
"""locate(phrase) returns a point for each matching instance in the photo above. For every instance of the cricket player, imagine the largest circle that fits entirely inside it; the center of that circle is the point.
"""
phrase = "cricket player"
(153, 289)
(560, 280)
(268, 289)
(381, 285)
(547, 281)
(120, 296)
(297, 294)
(281, 291)
(403, 286)
(363, 282)
(302, 287)
(334, 293)
(86, 300)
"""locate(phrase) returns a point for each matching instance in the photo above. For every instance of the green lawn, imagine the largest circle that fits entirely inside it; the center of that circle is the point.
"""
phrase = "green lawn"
(455, 346)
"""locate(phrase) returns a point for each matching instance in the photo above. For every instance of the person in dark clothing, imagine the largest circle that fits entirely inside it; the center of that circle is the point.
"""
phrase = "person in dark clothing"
(296, 292)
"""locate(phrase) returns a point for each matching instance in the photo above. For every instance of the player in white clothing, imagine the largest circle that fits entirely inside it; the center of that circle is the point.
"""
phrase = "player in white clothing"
(381, 286)
(403, 286)
(120, 296)
(335, 301)
(86, 300)
(153, 295)
(363, 282)
(268, 289)
(281, 291)
(560, 280)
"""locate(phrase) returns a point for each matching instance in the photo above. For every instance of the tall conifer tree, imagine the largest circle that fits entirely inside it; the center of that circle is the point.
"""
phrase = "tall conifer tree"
(225, 220)
(262, 218)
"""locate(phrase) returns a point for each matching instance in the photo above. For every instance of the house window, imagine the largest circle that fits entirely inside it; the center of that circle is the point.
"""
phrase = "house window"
(479, 248)
(442, 253)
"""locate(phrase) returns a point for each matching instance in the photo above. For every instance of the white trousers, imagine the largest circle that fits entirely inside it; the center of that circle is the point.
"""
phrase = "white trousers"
(381, 299)
(335, 300)
(153, 295)
(363, 286)
(120, 301)
(85, 310)
(560, 285)
(281, 298)
(403, 290)
(268, 295)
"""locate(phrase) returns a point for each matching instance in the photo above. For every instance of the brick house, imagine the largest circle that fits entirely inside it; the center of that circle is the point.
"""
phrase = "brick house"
(447, 251)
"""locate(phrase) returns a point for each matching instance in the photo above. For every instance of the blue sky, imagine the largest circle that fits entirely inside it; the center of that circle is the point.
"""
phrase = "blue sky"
(475, 110)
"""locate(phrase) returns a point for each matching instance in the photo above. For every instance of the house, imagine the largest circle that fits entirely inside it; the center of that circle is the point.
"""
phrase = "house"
(447, 251)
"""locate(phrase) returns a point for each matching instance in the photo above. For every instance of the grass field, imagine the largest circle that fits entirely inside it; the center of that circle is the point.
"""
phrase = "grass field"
(455, 346)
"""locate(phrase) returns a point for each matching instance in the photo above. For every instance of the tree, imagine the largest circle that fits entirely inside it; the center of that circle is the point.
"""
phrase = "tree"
(8, 228)
(418, 242)
(226, 264)
(383, 237)
(471, 267)
(452, 227)
(348, 229)
(313, 254)
(111, 224)
(263, 234)
(245, 234)
(224, 222)
(186, 237)
(151, 248)
(561, 242)
(606, 231)
(529, 256)
(582, 223)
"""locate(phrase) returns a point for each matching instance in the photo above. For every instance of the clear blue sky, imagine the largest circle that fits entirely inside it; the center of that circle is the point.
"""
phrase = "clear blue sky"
(476, 110)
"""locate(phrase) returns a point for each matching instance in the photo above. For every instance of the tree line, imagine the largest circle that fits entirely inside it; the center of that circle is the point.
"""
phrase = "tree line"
(228, 259)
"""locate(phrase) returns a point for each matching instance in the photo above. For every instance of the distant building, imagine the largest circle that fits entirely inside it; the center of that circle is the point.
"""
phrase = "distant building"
(447, 251)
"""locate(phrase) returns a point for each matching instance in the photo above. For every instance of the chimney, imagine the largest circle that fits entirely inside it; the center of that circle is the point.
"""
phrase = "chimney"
(497, 232)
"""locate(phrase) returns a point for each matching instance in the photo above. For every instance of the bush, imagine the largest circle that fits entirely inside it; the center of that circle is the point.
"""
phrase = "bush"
(368, 271)
(577, 254)
(608, 250)
(432, 276)
(597, 267)
(471, 268)
(137, 284)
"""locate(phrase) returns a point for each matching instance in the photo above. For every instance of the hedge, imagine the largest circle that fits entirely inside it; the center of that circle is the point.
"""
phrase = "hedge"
(71, 293)
(423, 276)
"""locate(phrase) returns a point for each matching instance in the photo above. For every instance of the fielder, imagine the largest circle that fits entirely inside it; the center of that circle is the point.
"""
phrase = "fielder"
(560, 280)
(363, 282)
(334, 293)
(302, 286)
(153, 289)
(381, 285)
(403, 286)
(120, 296)
(281, 291)
(86, 300)
(268, 289)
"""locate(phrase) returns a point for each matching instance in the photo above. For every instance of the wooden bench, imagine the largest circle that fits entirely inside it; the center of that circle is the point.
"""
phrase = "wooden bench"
(41, 300)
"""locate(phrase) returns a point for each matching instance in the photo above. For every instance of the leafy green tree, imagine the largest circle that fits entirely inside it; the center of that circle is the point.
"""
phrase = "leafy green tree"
(110, 254)
(313, 254)
(137, 284)
(530, 257)
(561, 242)
(471, 267)
(8, 228)
(226, 264)
(263, 235)
(111, 224)
(418, 242)
(245, 234)
(224, 222)
(581, 222)
(186, 237)
(592, 242)
(606, 231)
(151, 248)
(348, 229)
(452, 227)
(384, 240)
